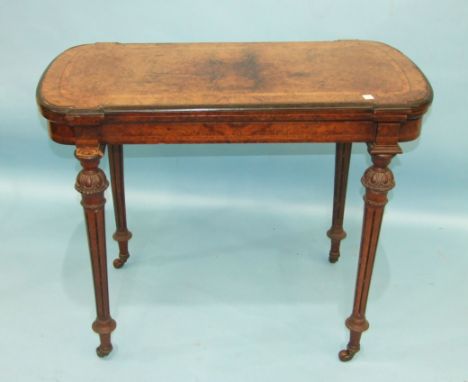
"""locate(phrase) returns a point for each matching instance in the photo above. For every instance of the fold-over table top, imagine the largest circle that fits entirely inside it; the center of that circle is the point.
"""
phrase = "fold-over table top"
(192, 76)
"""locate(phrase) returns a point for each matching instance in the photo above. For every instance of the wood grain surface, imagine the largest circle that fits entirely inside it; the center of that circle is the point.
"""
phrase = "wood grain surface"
(232, 75)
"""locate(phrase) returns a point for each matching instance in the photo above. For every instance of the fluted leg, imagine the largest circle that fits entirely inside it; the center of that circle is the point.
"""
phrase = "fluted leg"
(378, 180)
(91, 183)
(336, 232)
(122, 235)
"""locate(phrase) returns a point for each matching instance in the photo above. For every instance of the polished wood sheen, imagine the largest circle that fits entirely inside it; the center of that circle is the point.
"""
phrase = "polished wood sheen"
(341, 91)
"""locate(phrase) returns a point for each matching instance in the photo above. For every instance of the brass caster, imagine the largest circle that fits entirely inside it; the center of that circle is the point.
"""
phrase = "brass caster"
(346, 355)
(121, 260)
(103, 351)
(118, 263)
(333, 257)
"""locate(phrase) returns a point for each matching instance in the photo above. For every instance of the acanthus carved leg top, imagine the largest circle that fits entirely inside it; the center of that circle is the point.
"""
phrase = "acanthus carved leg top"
(91, 180)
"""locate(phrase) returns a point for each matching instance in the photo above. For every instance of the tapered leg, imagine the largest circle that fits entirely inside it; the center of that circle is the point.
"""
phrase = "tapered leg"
(336, 232)
(91, 183)
(378, 180)
(122, 235)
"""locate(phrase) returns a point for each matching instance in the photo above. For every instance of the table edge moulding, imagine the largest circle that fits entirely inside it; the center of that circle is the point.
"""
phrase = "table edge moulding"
(110, 94)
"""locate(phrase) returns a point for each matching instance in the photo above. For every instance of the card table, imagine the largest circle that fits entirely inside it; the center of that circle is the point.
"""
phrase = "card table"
(345, 92)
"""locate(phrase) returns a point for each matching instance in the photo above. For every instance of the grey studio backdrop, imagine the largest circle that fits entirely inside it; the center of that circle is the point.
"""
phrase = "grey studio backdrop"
(229, 279)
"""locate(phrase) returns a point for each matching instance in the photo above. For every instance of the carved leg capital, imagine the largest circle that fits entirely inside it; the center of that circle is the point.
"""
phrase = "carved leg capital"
(91, 181)
(378, 179)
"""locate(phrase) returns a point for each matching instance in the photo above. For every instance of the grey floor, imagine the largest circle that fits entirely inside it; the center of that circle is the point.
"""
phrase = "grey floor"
(229, 278)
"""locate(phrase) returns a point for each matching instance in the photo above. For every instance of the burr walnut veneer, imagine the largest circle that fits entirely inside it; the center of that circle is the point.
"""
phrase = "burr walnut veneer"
(110, 94)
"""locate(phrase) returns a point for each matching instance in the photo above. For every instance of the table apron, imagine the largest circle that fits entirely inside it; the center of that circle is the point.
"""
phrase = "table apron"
(228, 132)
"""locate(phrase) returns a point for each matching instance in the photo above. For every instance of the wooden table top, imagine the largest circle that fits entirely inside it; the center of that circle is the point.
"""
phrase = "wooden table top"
(107, 77)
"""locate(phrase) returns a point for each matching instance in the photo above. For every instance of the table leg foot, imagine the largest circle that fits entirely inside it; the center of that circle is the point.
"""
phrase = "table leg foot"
(105, 348)
(346, 355)
(103, 351)
(118, 263)
(336, 235)
(333, 257)
(122, 237)
(336, 232)
(104, 329)
(353, 346)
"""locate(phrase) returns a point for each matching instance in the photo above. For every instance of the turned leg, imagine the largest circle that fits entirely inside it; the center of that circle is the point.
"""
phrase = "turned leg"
(378, 180)
(122, 235)
(91, 183)
(336, 232)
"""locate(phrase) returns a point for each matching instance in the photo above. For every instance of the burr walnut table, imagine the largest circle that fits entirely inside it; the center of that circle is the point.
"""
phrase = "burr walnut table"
(110, 94)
